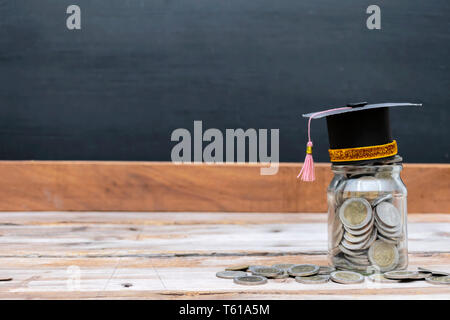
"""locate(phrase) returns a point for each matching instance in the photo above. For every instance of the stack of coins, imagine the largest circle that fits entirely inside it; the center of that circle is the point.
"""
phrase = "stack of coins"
(367, 229)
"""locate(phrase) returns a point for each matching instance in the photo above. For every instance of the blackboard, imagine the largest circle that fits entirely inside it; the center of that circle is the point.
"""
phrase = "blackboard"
(137, 70)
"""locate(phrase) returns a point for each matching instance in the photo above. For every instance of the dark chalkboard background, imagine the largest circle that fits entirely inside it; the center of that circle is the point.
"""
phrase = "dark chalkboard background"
(139, 69)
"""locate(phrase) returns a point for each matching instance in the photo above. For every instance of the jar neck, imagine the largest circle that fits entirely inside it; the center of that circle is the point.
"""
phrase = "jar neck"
(391, 169)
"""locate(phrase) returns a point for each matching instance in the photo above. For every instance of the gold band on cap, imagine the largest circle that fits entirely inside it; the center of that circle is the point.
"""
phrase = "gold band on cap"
(364, 153)
(308, 150)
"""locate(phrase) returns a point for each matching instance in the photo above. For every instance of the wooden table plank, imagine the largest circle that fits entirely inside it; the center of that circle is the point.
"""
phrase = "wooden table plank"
(176, 255)
(166, 186)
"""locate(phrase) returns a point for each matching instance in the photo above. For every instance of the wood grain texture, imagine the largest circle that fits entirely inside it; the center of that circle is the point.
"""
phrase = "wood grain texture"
(175, 256)
(164, 186)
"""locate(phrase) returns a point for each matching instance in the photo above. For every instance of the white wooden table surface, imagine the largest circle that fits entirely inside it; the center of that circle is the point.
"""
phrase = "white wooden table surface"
(116, 255)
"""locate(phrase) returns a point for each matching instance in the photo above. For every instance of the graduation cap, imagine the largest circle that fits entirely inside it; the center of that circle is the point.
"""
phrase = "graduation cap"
(358, 133)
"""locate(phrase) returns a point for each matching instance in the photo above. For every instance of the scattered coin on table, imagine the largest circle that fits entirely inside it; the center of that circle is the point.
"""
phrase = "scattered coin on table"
(268, 272)
(378, 277)
(282, 275)
(438, 280)
(401, 275)
(433, 272)
(283, 266)
(316, 279)
(241, 267)
(326, 270)
(250, 280)
(347, 277)
(301, 270)
(230, 274)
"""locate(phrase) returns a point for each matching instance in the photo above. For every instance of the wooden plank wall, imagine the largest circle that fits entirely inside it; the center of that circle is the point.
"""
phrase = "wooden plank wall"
(164, 186)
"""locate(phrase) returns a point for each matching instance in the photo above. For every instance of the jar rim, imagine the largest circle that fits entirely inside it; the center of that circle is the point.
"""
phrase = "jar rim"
(366, 168)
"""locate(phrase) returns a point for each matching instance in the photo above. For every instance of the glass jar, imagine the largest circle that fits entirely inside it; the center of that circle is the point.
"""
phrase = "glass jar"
(367, 218)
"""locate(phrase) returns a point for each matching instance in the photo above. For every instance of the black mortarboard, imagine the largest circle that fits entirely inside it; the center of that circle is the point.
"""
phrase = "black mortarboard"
(357, 133)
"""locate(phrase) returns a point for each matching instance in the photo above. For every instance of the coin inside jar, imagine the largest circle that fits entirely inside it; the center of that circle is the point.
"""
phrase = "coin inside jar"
(388, 214)
(384, 255)
(356, 239)
(378, 200)
(355, 213)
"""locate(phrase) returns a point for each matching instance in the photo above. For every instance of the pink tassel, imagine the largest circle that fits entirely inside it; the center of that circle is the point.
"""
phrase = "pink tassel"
(307, 172)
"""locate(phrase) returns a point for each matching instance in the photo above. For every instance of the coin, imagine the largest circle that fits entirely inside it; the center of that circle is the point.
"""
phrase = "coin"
(345, 264)
(363, 231)
(352, 266)
(250, 268)
(378, 277)
(401, 275)
(391, 241)
(230, 274)
(268, 272)
(387, 230)
(355, 213)
(339, 192)
(241, 267)
(347, 277)
(356, 239)
(319, 278)
(363, 261)
(250, 280)
(337, 238)
(371, 240)
(283, 266)
(362, 245)
(421, 276)
(438, 279)
(378, 200)
(384, 255)
(388, 214)
(326, 270)
(434, 272)
(385, 227)
(352, 246)
(392, 236)
(301, 270)
(282, 275)
(351, 252)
